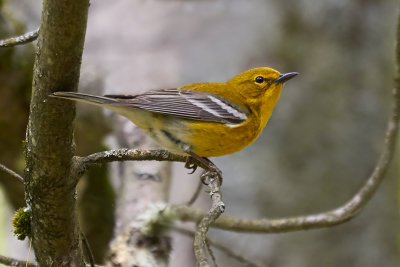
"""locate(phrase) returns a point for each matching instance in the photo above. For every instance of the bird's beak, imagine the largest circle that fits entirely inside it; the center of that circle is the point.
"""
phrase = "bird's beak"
(285, 77)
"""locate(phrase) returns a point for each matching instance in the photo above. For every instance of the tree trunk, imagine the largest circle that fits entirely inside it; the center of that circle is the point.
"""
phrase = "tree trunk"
(50, 188)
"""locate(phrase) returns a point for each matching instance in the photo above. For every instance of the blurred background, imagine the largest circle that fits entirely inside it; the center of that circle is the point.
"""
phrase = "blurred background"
(320, 145)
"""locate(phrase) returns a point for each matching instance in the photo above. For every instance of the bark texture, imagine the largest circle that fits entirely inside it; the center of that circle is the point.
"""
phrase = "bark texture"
(50, 189)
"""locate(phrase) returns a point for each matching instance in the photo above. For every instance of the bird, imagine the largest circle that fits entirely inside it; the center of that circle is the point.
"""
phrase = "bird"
(200, 120)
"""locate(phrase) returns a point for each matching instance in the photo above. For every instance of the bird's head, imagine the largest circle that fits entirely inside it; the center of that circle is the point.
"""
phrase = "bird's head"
(260, 82)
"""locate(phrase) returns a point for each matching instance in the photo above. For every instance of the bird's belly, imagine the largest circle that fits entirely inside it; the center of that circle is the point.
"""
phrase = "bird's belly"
(214, 139)
(206, 139)
(165, 130)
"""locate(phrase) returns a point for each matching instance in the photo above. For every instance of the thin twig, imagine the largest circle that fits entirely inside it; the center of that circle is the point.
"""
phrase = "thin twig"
(88, 250)
(235, 255)
(19, 40)
(29, 252)
(7, 261)
(124, 154)
(14, 262)
(211, 253)
(11, 172)
(228, 251)
(217, 208)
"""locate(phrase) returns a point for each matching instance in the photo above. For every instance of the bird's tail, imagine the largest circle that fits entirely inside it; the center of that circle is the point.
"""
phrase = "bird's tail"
(91, 99)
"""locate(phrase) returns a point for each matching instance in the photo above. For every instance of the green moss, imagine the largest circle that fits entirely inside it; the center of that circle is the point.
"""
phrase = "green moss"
(22, 223)
(24, 144)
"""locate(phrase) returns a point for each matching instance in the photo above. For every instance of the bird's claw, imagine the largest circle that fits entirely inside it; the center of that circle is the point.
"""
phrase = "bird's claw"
(210, 170)
(191, 165)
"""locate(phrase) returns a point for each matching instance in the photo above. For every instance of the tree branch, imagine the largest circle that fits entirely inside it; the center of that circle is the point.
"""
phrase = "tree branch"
(88, 250)
(217, 208)
(17, 263)
(7, 261)
(19, 40)
(11, 172)
(228, 251)
(123, 154)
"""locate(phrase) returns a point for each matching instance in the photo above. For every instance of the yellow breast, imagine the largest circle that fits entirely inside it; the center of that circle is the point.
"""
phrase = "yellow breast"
(210, 139)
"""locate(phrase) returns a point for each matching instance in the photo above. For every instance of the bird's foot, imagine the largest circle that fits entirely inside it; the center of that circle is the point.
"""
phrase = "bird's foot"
(191, 164)
(210, 169)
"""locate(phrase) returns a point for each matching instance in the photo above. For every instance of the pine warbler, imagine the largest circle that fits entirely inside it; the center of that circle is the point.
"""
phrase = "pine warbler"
(201, 119)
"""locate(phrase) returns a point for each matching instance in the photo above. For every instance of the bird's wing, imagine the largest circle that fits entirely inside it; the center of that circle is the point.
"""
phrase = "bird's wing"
(185, 103)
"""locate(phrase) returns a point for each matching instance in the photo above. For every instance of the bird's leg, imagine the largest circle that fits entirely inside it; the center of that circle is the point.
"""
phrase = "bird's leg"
(211, 168)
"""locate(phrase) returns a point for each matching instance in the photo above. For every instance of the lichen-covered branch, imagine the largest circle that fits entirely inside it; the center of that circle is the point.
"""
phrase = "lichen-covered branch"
(217, 208)
(19, 40)
(125, 154)
(50, 189)
(11, 172)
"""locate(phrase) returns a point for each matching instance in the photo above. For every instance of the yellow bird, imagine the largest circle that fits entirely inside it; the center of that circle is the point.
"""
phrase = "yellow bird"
(201, 119)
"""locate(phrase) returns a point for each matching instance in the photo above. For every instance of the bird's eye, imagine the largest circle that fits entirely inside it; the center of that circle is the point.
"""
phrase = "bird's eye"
(259, 79)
